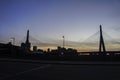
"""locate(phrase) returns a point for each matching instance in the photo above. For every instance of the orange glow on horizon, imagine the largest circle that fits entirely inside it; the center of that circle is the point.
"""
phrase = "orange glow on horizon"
(78, 49)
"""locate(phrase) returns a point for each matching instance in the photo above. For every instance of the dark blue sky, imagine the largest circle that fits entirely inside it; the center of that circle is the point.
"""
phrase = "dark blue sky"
(51, 19)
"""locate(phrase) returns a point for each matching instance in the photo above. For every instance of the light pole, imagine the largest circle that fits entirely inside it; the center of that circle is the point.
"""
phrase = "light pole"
(63, 41)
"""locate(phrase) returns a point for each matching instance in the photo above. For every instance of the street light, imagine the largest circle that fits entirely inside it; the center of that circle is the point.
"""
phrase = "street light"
(63, 41)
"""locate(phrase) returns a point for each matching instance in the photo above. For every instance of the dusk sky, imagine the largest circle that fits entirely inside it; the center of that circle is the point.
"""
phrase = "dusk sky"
(49, 20)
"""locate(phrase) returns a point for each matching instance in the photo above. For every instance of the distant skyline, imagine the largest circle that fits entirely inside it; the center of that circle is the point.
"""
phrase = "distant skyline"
(49, 20)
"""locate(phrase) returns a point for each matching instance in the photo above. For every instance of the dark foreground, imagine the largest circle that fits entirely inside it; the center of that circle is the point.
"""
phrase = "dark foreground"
(22, 70)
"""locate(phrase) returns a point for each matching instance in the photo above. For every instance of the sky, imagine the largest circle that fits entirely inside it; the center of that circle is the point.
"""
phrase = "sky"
(49, 20)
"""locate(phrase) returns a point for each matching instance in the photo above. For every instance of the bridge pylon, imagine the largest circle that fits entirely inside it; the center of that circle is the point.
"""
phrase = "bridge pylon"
(102, 49)
(27, 41)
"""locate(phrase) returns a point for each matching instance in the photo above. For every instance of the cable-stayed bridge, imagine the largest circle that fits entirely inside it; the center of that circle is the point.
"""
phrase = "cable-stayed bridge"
(99, 42)
(93, 41)
(103, 44)
(90, 41)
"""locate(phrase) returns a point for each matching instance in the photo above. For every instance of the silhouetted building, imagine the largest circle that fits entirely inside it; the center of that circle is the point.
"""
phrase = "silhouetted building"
(34, 48)
(9, 50)
(64, 52)
(48, 50)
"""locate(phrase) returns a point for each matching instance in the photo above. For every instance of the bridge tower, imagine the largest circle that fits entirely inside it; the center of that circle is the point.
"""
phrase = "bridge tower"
(101, 43)
(27, 43)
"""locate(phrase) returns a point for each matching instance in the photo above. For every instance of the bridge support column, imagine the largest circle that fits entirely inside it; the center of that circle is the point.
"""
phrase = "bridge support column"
(102, 49)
